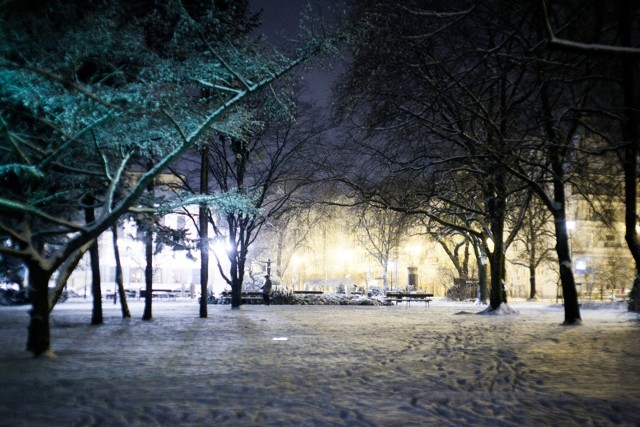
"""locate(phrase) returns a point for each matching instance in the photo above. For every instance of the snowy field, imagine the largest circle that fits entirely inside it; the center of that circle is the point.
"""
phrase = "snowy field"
(323, 365)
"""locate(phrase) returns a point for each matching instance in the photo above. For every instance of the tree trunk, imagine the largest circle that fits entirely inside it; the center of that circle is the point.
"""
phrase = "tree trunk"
(96, 289)
(119, 278)
(385, 274)
(94, 256)
(497, 294)
(236, 285)
(236, 294)
(557, 156)
(482, 283)
(148, 256)
(64, 272)
(38, 333)
(532, 262)
(204, 234)
(496, 208)
(569, 293)
(532, 281)
(204, 262)
(148, 275)
(234, 269)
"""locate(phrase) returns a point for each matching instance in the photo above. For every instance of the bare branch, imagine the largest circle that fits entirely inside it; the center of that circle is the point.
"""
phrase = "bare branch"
(586, 48)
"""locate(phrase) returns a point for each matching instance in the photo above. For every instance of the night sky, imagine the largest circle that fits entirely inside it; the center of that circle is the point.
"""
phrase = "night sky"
(281, 20)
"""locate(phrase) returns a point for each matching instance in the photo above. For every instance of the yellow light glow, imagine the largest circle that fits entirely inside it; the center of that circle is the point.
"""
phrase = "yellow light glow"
(414, 250)
(490, 244)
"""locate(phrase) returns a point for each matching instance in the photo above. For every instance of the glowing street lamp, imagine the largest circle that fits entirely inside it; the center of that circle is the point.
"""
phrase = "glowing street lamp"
(414, 252)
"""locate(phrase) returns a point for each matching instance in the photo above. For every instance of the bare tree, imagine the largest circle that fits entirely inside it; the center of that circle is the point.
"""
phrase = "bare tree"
(254, 173)
(380, 232)
(287, 234)
(534, 238)
(613, 36)
(452, 116)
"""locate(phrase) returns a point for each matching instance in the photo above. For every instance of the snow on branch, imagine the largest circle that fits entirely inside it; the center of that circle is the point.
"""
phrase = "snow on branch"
(594, 48)
(586, 48)
(20, 170)
(231, 202)
(13, 206)
(4, 131)
(432, 14)
(218, 87)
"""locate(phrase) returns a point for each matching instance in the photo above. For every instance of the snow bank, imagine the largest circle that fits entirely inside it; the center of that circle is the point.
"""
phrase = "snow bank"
(323, 365)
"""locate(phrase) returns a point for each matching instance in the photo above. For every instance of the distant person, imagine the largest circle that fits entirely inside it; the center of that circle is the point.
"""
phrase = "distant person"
(266, 289)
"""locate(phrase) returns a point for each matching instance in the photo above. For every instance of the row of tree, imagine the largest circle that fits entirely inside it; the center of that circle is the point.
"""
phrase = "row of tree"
(461, 118)
(99, 98)
(468, 114)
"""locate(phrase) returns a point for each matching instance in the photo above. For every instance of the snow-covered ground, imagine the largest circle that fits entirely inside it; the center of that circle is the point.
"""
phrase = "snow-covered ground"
(323, 365)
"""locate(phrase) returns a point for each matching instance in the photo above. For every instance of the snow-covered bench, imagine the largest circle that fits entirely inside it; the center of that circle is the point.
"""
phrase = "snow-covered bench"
(397, 297)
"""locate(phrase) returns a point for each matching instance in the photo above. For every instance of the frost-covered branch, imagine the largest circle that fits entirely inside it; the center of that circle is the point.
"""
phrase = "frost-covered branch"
(71, 139)
(218, 87)
(108, 203)
(67, 83)
(432, 14)
(231, 69)
(586, 48)
(24, 209)
(4, 131)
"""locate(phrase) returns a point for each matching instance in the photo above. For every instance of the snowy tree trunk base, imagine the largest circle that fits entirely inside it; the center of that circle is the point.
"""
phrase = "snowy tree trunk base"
(503, 310)
(634, 296)
(39, 330)
(38, 341)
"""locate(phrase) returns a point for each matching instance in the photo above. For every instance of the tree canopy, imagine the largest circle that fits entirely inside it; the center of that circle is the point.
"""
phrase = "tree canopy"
(90, 92)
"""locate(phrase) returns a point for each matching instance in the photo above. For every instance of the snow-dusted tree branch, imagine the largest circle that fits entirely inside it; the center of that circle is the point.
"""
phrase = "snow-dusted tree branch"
(87, 103)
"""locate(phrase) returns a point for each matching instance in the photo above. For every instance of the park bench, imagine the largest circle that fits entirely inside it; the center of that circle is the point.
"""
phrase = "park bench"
(307, 292)
(159, 293)
(246, 298)
(397, 297)
(251, 297)
(130, 293)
